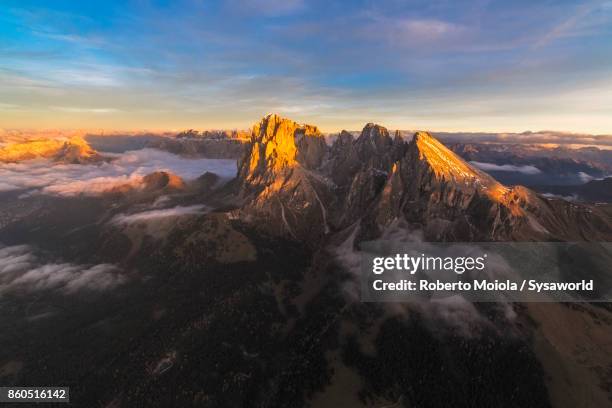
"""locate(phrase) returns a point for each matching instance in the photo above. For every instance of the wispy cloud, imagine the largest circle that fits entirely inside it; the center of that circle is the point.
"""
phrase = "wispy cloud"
(411, 32)
(562, 197)
(506, 167)
(9, 106)
(23, 271)
(76, 109)
(570, 26)
(151, 215)
(268, 7)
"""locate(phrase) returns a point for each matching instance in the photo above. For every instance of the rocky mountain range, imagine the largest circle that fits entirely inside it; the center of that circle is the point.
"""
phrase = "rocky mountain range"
(208, 144)
(526, 164)
(305, 189)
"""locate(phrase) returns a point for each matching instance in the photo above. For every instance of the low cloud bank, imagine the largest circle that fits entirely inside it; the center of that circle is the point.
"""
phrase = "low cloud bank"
(21, 270)
(572, 197)
(506, 167)
(150, 215)
(44, 176)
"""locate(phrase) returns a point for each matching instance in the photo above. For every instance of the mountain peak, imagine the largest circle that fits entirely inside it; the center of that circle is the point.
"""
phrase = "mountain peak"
(375, 134)
(444, 162)
(376, 147)
(449, 167)
(275, 176)
(371, 125)
(273, 126)
(278, 144)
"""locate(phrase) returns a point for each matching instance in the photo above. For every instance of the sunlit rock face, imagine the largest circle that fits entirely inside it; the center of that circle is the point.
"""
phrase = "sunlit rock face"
(278, 145)
(278, 178)
(303, 188)
(73, 151)
(435, 189)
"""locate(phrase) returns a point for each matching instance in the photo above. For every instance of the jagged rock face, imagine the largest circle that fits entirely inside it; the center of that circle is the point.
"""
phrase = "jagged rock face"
(360, 167)
(278, 145)
(365, 186)
(344, 160)
(278, 178)
(373, 149)
(307, 190)
(438, 191)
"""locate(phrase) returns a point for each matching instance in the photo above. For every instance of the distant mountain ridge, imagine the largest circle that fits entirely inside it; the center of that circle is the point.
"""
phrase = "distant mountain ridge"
(74, 151)
(208, 144)
(546, 166)
(592, 191)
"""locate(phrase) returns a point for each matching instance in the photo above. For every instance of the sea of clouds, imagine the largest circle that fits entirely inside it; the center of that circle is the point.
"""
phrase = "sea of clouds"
(47, 177)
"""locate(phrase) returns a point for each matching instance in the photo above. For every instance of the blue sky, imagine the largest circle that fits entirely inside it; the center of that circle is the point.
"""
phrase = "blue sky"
(440, 65)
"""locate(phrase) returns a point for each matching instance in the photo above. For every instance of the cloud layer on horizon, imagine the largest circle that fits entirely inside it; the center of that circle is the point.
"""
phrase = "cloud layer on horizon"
(543, 137)
(44, 176)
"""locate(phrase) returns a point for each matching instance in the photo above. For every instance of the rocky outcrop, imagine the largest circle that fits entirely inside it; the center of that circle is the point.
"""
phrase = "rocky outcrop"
(162, 181)
(207, 181)
(153, 184)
